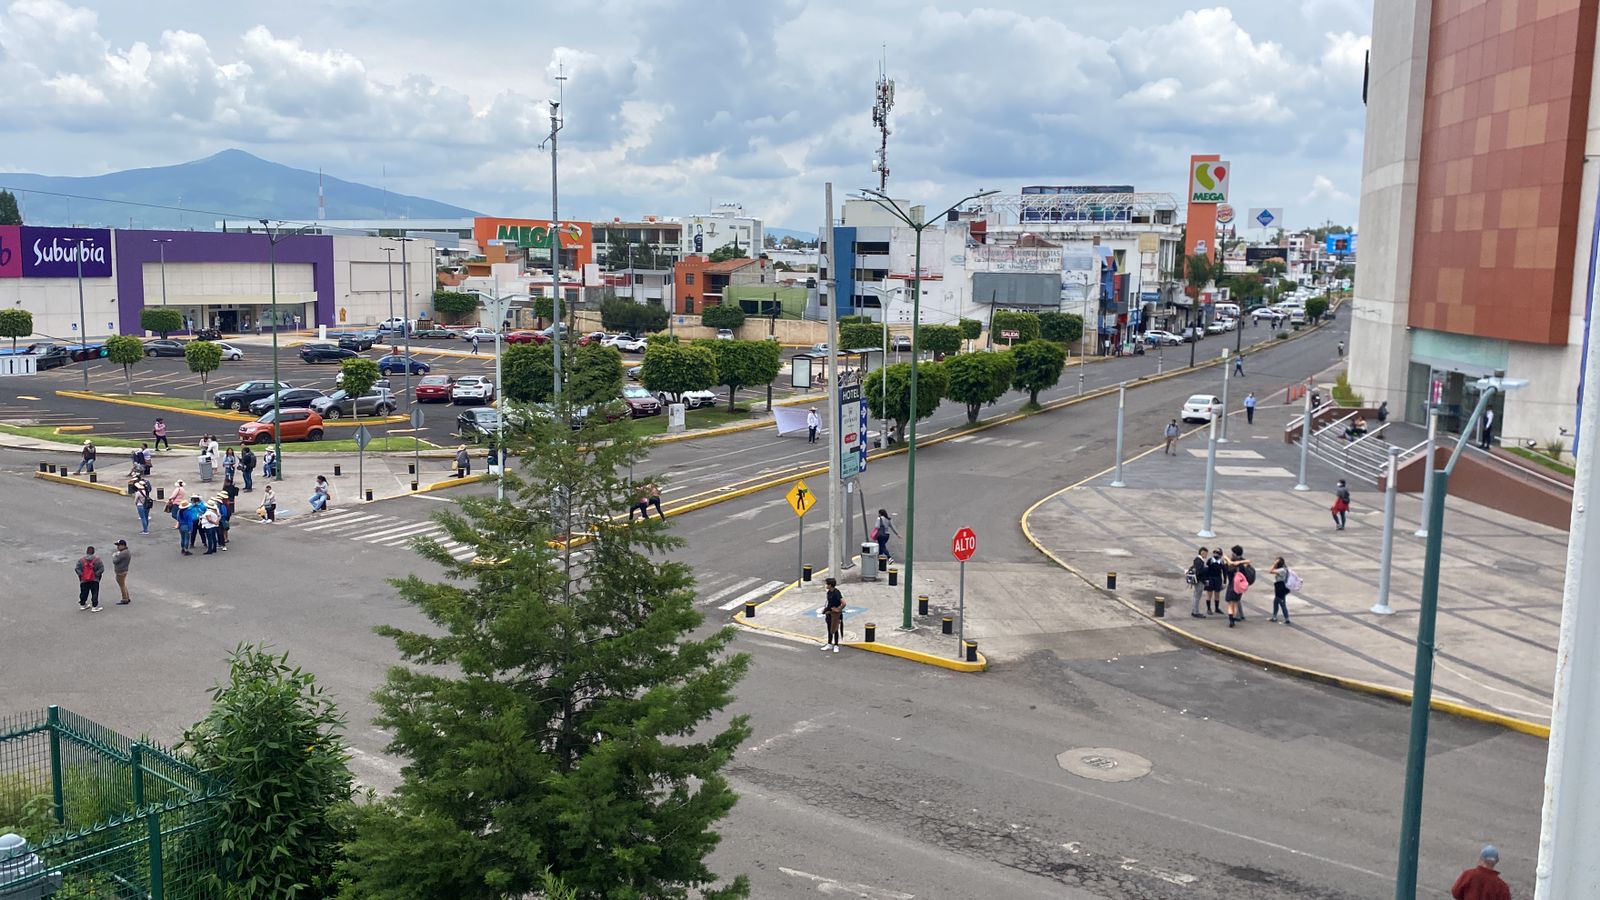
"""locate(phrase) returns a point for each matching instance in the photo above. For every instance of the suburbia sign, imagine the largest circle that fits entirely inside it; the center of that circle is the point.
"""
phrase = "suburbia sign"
(30, 252)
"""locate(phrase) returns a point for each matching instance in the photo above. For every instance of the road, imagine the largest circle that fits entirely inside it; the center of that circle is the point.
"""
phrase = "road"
(865, 776)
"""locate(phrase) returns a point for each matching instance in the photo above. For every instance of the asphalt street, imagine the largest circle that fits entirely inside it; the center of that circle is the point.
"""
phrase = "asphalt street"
(866, 776)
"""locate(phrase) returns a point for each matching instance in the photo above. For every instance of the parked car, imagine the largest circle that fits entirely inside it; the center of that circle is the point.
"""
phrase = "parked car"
(292, 424)
(395, 324)
(434, 334)
(380, 402)
(434, 388)
(818, 350)
(51, 356)
(522, 337)
(1201, 408)
(286, 398)
(81, 352)
(163, 347)
(901, 342)
(397, 365)
(321, 353)
(1156, 336)
(626, 343)
(640, 401)
(1220, 326)
(634, 372)
(482, 334)
(230, 352)
(724, 334)
(478, 423)
(245, 394)
(593, 337)
(472, 389)
(1266, 312)
(1192, 333)
(690, 399)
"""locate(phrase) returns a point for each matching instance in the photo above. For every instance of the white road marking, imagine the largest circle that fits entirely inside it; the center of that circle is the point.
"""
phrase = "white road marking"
(390, 530)
(784, 537)
(753, 593)
(833, 888)
(962, 439)
(1256, 471)
(736, 586)
(347, 520)
(398, 538)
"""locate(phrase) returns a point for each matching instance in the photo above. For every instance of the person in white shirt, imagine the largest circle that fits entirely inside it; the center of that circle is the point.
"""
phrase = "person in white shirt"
(813, 422)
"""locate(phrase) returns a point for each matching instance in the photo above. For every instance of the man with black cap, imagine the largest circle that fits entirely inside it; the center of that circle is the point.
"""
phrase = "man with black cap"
(1482, 882)
(119, 568)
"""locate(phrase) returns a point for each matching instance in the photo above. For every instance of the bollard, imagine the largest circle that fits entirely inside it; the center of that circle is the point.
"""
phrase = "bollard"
(972, 651)
(1111, 581)
(894, 576)
(805, 572)
(883, 562)
(749, 609)
(337, 471)
(411, 468)
(1161, 607)
(922, 604)
(161, 493)
(44, 467)
(93, 478)
(948, 625)
(52, 468)
(369, 495)
(413, 484)
(872, 632)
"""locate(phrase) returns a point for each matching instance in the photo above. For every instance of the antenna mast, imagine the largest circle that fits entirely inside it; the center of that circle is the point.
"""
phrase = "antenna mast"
(322, 205)
(880, 119)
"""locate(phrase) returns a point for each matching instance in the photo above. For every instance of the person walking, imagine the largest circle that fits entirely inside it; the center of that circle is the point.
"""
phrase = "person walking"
(882, 531)
(159, 432)
(1341, 505)
(1195, 575)
(1238, 576)
(1341, 349)
(1250, 408)
(1485, 434)
(1171, 434)
(269, 505)
(87, 461)
(833, 614)
(1482, 882)
(1280, 589)
(1213, 581)
(1383, 412)
(652, 496)
(89, 569)
(813, 422)
(463, 462)
(141, 504)
(210, 522)
(474, 345)
(247, 465)
(120, 560)
(1238, 364)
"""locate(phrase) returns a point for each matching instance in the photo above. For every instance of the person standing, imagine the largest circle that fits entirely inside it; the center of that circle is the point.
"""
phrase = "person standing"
(1341, 505)
(1196, 576)
(88, 458)
(159, 432)
(269, 505)
(813, 422)
(463, 462)
(213, 446)
(178, 500)
(1341, 349)
(833, 614)
(1485, 434)
(885, 528)
(1238, 364)
(89, 569)
(210, 521)
(247, 465)
(1238, 575)
(230, 465)
(141, 504)
(474, 345)
(1250, 408)
(1280, 589)
(1383, 412)
(1213, 581)
(120, 561)
(189, 525)
(1482, 882)
(1171, 434)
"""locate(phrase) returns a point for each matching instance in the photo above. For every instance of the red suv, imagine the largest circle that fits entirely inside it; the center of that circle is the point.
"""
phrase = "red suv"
(435, 388)
(525, 337)
(296, 425)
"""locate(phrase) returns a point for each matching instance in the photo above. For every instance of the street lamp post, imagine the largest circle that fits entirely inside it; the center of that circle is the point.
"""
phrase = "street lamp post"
(894, 209)
(389, 270)
(495, 306)
(272, 267)
(1405, 887)
(83, 323)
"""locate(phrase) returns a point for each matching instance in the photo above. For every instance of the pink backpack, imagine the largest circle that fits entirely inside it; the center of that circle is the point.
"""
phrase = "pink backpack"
(1240, 583)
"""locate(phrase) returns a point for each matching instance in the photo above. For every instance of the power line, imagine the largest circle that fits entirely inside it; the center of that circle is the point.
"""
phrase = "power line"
(248, 217)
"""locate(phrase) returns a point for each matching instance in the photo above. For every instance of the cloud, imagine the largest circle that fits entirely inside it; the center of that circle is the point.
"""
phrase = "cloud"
(1323, 189)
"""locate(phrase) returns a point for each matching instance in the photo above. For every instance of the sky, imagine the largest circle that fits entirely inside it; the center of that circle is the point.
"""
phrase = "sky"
(672, 106)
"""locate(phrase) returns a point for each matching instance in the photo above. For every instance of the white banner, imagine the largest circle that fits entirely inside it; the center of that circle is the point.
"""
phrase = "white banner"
(792, 419)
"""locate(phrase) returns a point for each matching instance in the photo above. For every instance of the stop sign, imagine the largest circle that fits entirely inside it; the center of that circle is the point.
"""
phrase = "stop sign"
(964, 544)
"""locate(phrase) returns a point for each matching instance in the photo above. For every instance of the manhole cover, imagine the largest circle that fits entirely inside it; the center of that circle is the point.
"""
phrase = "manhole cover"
(1104, 764)
(1517, 566)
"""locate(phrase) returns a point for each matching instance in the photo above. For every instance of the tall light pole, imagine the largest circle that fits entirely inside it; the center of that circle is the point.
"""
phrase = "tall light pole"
(555, 249)
(1405, 886)
(389, 270)
(83, 323)
(277, 413)
(495, 306)
(161, 245)
(890, 206)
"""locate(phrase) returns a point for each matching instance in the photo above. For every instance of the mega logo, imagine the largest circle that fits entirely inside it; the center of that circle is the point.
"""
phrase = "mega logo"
(1210, 183)
(537, 236)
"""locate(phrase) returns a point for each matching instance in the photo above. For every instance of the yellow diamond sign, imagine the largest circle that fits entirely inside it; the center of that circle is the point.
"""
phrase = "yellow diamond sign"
(800, 498)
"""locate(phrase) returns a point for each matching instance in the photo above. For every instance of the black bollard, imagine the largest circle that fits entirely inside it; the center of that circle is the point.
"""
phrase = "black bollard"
(369, 495)
(161, 493)
(949, 625)
(44, 467)
(411, 468)
(93, 478)
(894, 576)
(872, 632)
(805, 572)
(1111, 581)
(337, 471)
(972, 651)
(1161, 607)
(922, 604)
(749, 609)
(883, 562)
(413, 484)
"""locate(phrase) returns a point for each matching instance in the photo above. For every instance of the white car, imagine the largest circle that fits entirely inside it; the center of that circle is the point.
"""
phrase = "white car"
(690, 399)
(472, 389)
(724, 334)
(229, 351)
(1220, 326)
(1155, 337)
(395, 324)
(1201, 408)
(486, 335)
(1266, 312)
(625, 343)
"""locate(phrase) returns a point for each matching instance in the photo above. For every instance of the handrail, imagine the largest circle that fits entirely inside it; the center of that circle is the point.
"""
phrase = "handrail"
(1371, 434)
(1352, 414)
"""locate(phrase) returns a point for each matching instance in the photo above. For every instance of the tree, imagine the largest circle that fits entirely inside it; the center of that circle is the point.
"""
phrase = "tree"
(555, 713)
(939, 339)
(975, 379)
(162, 320)
(359, 375)
(125, 350)
(272, 736)
(15, 323)
(1025, 324)
(1272, 268)
(544, 309)
(1344, 271)
(595, 376)
(676, 368)
(1315, 307)
(1038, 366)
(9, 213)
(723, 315)
(1198, 271)
(1244, 288)
(1061, 327)
(854, 336)
(930, 391)
(622, 314)
(454, 304)
(729, 251)
(744, 363)
(203, 358)
(970, 328)
(592, 373)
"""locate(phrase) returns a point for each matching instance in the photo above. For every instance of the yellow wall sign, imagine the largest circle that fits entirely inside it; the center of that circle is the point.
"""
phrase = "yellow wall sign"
(800, 498)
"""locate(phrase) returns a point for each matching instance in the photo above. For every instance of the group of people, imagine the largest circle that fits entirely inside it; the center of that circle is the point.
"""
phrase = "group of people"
(90, 569)
(1221, 582)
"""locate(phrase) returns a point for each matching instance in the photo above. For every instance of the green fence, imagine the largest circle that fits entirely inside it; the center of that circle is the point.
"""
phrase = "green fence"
(105, 816)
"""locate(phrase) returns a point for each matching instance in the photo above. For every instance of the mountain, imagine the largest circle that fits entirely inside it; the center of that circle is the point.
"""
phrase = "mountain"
(779, 234)
(242, 186)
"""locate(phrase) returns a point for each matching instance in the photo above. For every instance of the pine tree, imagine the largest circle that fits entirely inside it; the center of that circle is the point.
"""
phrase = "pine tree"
(550, 715)
(9, 213)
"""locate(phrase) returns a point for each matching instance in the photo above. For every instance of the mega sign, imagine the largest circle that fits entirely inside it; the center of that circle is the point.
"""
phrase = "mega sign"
(30, 252)
(1208, 182)
(534, 234)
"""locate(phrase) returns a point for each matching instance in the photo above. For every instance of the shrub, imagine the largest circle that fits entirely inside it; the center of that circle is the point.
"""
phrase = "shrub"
(931, 384)
(725, 315)
(453, 305)
(1061, 327)
(162, 320)
(1025, 324)
(1554, 447)
(974, 379)
(858, 334)
(970, 328)
(1038, 367)
(943, 339)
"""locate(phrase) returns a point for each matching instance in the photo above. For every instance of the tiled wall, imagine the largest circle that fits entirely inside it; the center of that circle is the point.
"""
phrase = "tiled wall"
(1502, 158)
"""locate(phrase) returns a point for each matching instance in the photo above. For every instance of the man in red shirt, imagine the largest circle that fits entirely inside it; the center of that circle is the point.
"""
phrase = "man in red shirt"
(1482, 882)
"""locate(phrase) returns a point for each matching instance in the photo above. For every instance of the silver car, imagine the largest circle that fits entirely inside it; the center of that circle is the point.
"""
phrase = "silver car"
(338, 404)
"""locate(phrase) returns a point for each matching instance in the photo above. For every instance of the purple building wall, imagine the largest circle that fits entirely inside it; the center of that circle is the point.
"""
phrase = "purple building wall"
(135, 248)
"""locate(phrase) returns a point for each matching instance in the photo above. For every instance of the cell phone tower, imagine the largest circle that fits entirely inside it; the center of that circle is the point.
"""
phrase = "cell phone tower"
(880, 119)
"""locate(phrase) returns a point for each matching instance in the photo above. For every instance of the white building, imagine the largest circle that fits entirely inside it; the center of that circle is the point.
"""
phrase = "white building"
(724, 225)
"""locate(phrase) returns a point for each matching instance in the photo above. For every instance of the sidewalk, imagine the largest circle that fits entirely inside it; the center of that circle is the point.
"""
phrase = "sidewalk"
(1500, 588)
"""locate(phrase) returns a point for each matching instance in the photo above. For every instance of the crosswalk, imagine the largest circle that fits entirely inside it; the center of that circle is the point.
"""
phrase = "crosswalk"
(994, 441)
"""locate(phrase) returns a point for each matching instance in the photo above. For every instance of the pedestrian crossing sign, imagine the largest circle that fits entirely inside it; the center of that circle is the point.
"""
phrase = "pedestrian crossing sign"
(800, 498)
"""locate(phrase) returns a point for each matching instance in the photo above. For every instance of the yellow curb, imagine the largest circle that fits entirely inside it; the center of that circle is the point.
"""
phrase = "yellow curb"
(449, 483)
(169, 410)
(80, 482)
(1353, 684)
(71, 429)
(917, 656)
(709, 432)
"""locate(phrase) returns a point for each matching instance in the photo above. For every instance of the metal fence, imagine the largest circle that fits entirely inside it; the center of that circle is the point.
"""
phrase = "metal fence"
(101, 815)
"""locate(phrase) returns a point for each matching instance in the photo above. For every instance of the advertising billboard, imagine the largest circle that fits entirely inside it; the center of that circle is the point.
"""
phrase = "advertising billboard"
(1340, 244)
(1208, 181)
(534, 235)
(30, 252)
(1255, 256)
(1266, 216)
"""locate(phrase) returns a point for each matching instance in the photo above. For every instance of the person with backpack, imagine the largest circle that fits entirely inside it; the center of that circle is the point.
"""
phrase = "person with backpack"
(1341, 505)
(1171, 435)
(141, 504)
(1196, 577)
(1213, 581)
(1238, 576)
(881, 532)
(89, 569)
(1281, 590)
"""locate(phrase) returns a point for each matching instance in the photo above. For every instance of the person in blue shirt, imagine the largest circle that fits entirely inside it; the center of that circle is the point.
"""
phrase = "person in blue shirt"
(1250, 408)
(189, 524)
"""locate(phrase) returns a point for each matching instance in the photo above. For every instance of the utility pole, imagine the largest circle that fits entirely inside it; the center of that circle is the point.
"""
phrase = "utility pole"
(389, 270)
(835, 507)
(555, 248)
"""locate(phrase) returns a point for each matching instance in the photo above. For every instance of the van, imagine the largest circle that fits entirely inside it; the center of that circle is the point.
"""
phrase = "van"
(1226, 310)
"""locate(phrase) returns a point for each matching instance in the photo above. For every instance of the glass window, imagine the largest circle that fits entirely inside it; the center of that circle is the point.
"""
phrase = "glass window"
(688, 278)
